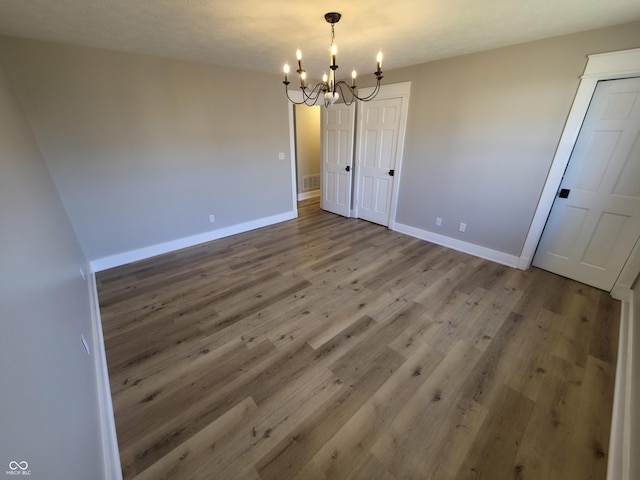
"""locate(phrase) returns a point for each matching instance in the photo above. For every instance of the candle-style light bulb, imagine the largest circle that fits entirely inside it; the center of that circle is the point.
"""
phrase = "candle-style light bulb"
(379, 61)
(353, 78)
(286, 72)
(334, 51)
(324, 78)
(303, 78)
(299, 58)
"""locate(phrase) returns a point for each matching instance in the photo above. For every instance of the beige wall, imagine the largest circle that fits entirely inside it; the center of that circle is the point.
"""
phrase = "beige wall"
(307, 142)
(48, 397)
(143, 149)
(482, 132)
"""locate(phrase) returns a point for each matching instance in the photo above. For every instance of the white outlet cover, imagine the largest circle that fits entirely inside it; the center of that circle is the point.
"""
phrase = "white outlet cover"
(281, 156)
(463, 227)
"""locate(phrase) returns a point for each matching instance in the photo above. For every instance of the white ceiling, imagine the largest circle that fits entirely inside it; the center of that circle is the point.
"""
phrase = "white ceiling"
(260, 35)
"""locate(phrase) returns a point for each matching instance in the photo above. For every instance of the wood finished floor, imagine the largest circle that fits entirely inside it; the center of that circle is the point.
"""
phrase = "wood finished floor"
(332, 348)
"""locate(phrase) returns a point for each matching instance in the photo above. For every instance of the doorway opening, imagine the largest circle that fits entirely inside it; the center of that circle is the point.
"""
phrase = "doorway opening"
(308, 153)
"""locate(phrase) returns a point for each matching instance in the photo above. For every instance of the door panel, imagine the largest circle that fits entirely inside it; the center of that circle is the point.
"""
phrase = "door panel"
(337, 159)
(627, 184)
(590, 234)
(606, 233)
(378, 146)
(573, 218)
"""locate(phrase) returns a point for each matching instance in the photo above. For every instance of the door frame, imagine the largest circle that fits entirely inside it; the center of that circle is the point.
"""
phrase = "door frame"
(295, 95)
(393, 90)
(602, 66)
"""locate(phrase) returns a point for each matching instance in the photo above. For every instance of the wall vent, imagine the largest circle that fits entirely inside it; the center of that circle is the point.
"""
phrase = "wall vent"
(311, 182)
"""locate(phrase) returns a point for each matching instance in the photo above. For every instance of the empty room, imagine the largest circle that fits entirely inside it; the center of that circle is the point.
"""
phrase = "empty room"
(255, 240)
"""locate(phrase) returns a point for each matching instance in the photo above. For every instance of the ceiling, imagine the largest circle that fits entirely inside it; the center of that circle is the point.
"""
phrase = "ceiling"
(260, 36)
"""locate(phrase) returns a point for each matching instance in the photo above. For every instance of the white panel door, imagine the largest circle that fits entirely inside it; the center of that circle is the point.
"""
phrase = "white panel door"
(378, 133)
(337, 158)
(595, 220)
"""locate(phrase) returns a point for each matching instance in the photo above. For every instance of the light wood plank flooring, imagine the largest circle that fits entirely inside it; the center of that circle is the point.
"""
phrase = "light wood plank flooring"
(332, 348)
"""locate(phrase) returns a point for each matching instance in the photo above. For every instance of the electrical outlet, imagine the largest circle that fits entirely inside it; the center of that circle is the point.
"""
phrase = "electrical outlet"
(463, 227)
(212, 218)
(281, 156)
(438, 221)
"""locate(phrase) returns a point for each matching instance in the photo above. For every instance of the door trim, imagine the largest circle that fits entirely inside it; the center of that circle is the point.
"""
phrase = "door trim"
(603, 66)
(394, 90)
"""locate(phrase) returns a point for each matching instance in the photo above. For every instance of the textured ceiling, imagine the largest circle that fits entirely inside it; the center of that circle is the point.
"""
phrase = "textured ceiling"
(261, 36)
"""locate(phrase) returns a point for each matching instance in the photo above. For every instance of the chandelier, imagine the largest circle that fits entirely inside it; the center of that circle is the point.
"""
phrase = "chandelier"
(331, 89)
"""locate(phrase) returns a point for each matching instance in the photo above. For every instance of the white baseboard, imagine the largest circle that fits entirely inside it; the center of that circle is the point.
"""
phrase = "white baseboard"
(621, 293)
(461, 246)
(119, 259)
(621, 453)
(306, 195)
(110, 451)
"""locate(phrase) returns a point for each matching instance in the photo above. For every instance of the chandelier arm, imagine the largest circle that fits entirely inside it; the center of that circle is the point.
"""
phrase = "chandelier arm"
(312, 98)
(338, 86)
(376, 90)
(353, 91)
(372, 95)
(307, 99)
(286, 90)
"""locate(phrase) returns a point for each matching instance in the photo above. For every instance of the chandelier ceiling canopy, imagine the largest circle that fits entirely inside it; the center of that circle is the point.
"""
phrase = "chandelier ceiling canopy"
(330, 88)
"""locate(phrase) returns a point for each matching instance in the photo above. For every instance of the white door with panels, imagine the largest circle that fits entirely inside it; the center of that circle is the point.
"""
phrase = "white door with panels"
(337, 158)
(377, 151)
(595, 220)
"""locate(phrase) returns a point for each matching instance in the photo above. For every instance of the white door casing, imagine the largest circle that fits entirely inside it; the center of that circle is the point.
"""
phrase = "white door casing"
(377, 147)
(590, 234)
(337, 134)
